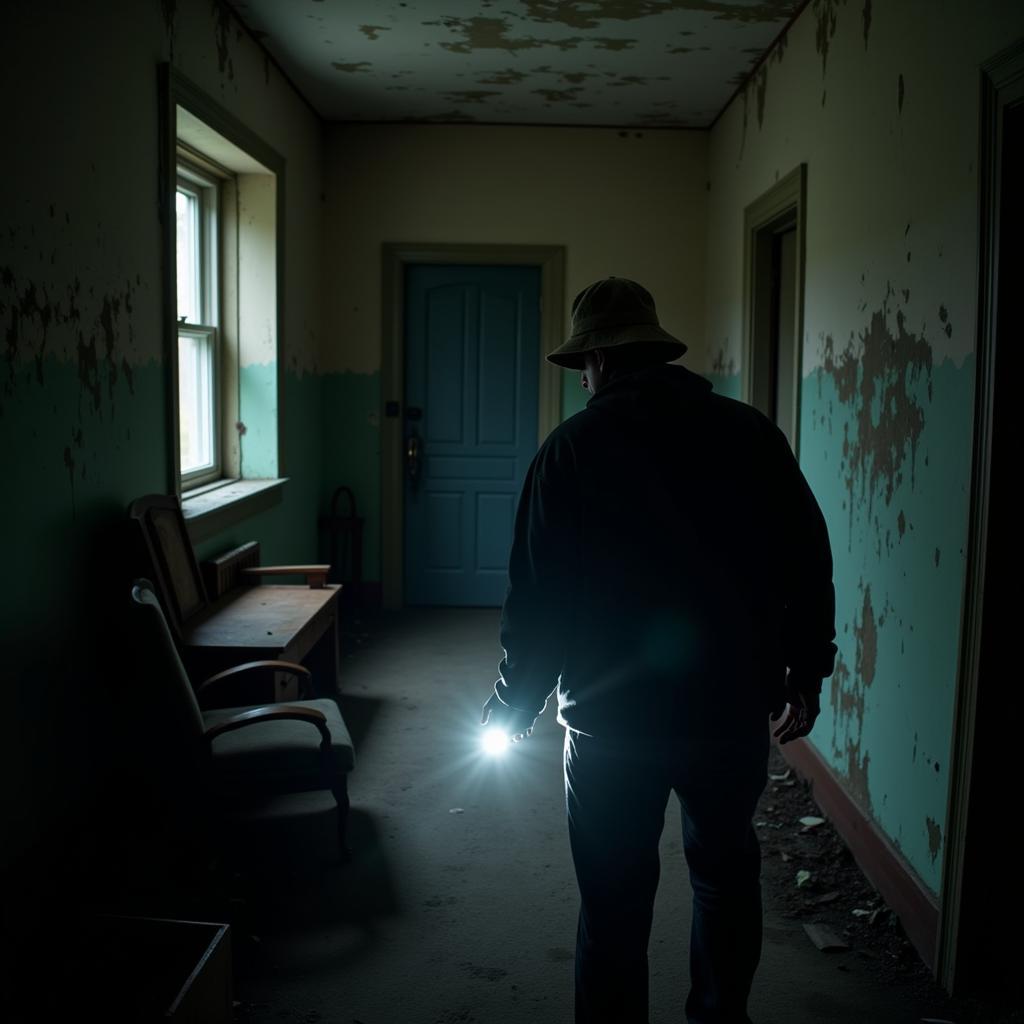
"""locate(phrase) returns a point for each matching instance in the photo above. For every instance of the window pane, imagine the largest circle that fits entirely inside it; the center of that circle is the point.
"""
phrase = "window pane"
(186, 208)
(195, 401)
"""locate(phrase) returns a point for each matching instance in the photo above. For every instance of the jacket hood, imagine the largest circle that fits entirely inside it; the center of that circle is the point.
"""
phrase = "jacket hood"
(653, 393)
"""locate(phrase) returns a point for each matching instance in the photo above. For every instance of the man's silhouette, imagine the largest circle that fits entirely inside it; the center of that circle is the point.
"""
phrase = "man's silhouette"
(671, 574)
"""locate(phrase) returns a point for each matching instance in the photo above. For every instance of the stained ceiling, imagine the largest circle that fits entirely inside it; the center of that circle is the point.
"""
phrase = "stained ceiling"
(636, 63)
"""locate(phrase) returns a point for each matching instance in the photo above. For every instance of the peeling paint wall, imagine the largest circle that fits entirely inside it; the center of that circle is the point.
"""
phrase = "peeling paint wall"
(83, 392)
(881, 102)
(630, 204)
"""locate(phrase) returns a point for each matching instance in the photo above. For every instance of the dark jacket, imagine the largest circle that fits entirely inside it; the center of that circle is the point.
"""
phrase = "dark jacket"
(669, 562)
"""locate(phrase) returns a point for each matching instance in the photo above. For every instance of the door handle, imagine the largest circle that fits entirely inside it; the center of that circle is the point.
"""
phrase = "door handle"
(413, 456)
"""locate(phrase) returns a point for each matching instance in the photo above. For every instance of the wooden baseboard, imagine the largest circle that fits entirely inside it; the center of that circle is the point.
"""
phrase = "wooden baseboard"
(883, 865)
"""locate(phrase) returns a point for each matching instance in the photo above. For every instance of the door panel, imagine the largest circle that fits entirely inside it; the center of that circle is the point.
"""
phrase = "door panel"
(471, 373)
(443, 551)
(498, 512)
(444, 362)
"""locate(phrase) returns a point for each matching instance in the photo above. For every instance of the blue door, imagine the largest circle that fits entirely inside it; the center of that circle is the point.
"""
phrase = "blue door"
(472, 340)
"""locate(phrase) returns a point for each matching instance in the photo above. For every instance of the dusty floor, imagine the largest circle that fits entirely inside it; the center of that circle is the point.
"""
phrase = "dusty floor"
(460, 902)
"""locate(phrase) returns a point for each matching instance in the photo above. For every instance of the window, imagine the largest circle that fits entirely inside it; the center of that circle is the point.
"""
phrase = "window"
(224, 203)
(198, 273)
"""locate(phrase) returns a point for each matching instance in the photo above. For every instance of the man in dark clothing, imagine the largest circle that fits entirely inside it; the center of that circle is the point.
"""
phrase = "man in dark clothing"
(671, 575)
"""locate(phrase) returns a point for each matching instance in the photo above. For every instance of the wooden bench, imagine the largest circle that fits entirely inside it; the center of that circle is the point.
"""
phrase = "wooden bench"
(221, 617)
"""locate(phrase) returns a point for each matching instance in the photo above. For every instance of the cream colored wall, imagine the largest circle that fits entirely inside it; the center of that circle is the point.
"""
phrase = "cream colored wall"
(626, 204)
(257, 269)
(87, 126)
(621, 203)
(886, 118)
(881, 101)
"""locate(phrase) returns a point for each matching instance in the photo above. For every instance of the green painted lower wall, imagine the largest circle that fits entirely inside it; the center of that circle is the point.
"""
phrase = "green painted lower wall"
(287, 532)
(79, 447)
(893, 483)
(80, 441)
(74, 458)
(258, 412)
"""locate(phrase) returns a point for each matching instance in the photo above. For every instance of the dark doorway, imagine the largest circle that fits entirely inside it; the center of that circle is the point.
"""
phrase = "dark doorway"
(983, 890)
(774, 302)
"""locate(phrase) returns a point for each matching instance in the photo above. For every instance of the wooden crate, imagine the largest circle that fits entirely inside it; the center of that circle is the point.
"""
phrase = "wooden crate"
(151, 969)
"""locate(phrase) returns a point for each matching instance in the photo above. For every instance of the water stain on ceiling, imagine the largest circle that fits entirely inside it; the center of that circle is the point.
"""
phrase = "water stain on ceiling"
(681, 59)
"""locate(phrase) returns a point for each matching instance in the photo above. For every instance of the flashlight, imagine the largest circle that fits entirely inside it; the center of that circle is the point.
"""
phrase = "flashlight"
(495, 742)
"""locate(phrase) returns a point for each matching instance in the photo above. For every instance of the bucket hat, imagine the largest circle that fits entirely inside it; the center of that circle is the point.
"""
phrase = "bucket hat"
(611, 312)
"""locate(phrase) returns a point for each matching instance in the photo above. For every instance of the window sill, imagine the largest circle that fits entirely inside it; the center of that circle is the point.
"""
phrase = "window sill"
(210, 509)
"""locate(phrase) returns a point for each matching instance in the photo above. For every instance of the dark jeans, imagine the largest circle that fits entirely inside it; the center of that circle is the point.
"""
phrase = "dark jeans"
(616, 795)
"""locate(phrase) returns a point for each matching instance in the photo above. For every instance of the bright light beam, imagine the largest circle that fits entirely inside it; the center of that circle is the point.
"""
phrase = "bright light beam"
(495, 742)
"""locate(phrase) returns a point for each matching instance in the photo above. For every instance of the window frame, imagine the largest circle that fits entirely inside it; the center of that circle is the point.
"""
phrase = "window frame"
(178, 95)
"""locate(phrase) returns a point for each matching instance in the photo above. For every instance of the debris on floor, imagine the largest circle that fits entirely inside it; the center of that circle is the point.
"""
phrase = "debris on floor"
(829, 889)
(824, 938)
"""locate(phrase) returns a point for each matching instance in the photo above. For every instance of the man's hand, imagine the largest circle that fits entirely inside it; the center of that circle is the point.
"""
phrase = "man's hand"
(517, 725)
(804, 709)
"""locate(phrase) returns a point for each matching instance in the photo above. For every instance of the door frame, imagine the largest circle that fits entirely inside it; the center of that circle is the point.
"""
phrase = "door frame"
(1002, 82)
(782, 206)
(550, 259)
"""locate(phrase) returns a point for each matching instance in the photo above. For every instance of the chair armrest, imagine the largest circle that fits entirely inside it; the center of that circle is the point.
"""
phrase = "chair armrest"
(316, 575)
(252, 668)
(273, 713)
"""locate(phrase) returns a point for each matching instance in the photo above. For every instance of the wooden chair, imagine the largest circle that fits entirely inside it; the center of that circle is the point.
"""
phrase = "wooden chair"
(249, 761)
(231, 620)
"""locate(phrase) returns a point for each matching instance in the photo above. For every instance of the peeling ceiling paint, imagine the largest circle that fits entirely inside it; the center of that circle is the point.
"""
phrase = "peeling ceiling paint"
(635, 63)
